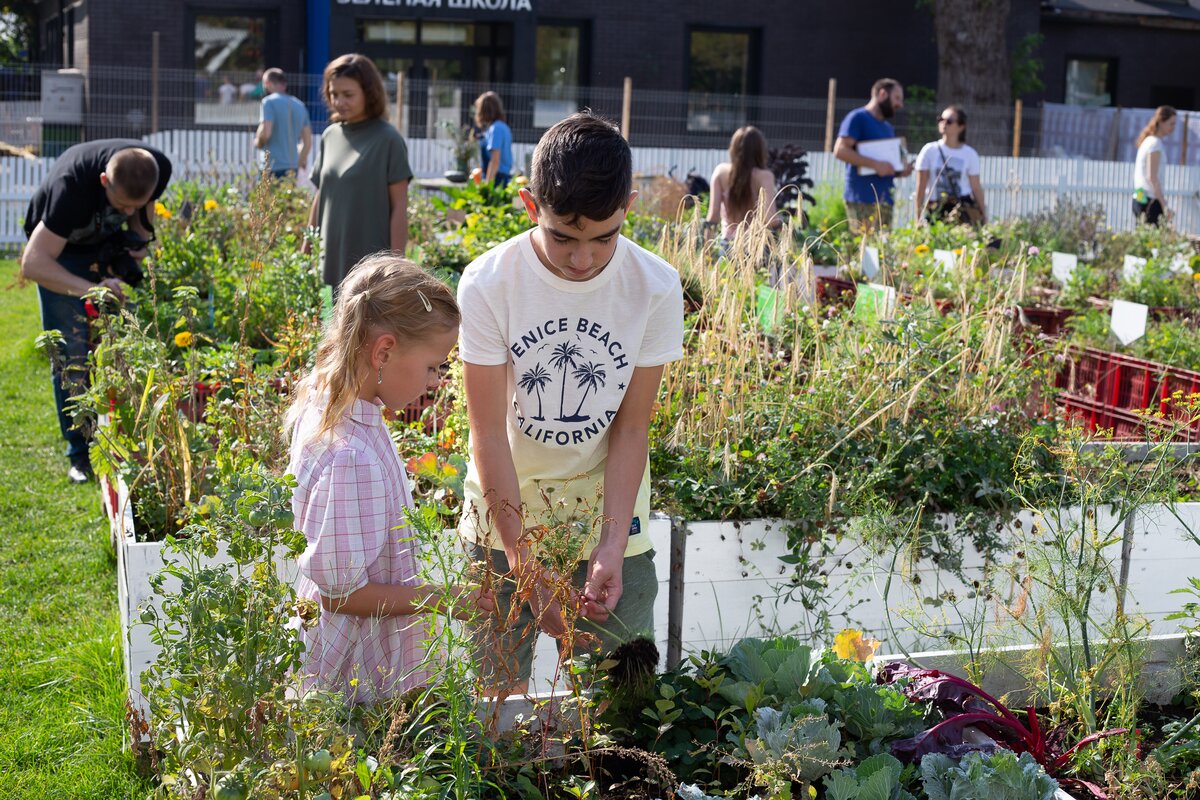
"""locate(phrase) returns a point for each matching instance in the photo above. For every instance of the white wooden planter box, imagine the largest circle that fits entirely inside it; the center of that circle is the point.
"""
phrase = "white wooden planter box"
(137, 562)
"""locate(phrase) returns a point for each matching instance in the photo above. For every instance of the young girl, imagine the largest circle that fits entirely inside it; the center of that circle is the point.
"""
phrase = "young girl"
(1149, 199)
(948, 186)
(738, 184)
(392, 328)
(495, 145)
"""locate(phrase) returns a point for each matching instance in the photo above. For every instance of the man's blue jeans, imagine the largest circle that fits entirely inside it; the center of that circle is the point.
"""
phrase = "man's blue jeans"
(65, 313)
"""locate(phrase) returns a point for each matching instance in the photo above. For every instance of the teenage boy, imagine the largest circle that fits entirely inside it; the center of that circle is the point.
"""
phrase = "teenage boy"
(869, 198)
(88, 224)
(566, 329)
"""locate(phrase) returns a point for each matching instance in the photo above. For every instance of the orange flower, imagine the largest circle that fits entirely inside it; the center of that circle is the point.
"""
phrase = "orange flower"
(850, 645)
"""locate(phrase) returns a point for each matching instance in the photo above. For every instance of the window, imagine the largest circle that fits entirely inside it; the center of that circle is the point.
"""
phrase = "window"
(1090, 82)
(387, 31)
(230, 55)
(722, 71)
(558, 70)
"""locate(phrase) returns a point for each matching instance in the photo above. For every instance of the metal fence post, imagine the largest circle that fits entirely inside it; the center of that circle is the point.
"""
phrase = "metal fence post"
(626, 107)
(675, 593)
(830, 114)
(400, 103)
(1017, 129)
(154, 37)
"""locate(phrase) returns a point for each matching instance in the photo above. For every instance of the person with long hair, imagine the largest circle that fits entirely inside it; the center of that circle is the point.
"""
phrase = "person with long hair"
(1149, 200)
(392, 327)
(495, 143)
(361, 171)
(742, 185)
(948, 186)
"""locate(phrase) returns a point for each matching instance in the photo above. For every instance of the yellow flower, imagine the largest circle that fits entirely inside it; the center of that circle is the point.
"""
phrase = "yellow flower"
(922, 249)
(1196, 276)
(183, 339)
(958, 251)
(851, 645)
(211, 205)
(162, 210)
(257, 265)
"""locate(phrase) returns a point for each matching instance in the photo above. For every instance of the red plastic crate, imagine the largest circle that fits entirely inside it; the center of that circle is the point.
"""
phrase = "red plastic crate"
(1124, 426)
(1049, 320)
(836, 291)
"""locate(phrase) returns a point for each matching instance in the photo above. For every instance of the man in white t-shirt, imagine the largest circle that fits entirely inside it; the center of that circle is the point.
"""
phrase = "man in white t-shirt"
(566, 330)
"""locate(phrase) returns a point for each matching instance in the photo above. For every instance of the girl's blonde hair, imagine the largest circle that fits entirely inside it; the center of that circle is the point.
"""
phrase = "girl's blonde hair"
(1161, 114)
(384, 293)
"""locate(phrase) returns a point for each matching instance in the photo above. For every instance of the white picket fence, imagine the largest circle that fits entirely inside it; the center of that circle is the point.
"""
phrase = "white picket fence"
(1013, 186)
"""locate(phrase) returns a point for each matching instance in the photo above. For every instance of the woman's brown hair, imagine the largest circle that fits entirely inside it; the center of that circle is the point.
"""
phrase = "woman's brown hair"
(747, 152)
(383, 293)
(363, 70)
(489, 108)
(1161, 114)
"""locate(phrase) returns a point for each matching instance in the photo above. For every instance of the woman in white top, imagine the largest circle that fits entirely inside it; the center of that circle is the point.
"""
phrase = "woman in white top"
(1149, 201)
(739, 185)
(948, 185)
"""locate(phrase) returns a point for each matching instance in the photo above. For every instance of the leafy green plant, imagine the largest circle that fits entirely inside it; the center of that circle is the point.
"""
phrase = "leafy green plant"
(798, 746)
(879, 777)
(1002, 775)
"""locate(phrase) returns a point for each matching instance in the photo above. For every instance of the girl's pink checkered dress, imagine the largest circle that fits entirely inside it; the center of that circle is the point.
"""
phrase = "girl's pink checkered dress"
(349, 501)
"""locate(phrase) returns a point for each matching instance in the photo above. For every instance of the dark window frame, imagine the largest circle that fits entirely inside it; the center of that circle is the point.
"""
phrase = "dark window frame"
(584, 26)
(271, 29)
(753, 67)
(1110, 81)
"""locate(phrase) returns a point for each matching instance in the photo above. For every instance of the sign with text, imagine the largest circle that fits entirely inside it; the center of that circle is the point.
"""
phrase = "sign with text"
(453, 5)
(1128, 321)
(1062, 266)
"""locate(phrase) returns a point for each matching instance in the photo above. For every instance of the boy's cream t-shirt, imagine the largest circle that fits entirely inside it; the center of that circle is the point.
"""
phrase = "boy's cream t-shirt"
(572, 348)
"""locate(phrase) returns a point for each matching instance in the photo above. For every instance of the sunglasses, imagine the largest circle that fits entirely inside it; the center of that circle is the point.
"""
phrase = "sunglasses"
(948, 120)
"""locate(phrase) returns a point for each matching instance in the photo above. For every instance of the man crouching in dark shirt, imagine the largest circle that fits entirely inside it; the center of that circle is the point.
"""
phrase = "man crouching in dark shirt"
(88, 224)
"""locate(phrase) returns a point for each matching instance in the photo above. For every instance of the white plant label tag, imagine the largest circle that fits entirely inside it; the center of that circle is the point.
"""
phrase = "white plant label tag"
(945, 259)
(870, 262)
(1128, 320)
(1132, 269)
(1062, 266)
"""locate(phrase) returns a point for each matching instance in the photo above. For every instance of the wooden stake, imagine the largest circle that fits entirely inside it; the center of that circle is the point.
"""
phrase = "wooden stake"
(154, 82)
(1183, 147)
(1017, 129)
(626, 107)
(399, 121)
(830, 115)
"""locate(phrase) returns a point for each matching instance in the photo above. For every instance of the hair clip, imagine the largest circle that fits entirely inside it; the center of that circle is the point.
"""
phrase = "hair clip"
(425, 300)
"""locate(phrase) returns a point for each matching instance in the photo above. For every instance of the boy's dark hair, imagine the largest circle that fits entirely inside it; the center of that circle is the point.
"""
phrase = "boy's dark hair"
(582, 167)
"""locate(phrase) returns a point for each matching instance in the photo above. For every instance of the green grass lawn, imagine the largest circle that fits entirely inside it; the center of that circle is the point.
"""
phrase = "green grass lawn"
(62, 689)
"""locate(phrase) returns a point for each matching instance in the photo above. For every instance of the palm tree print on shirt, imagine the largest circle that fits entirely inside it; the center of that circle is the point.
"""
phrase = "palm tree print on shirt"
(562, 358)
(590, 378)
(535, 380)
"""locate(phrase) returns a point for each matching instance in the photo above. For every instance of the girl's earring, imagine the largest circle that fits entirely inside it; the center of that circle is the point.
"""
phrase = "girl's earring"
(380, 374)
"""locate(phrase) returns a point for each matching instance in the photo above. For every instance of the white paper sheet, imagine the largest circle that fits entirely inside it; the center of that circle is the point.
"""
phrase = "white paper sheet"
(1128, 321)
(881, 150)
(1062, 266)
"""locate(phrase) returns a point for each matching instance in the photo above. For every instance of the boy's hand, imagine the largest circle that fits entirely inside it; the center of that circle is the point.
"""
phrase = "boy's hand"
(603, 587)
(473, 600)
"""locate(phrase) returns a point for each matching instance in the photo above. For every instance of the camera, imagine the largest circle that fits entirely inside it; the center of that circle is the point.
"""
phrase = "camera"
(115, 259)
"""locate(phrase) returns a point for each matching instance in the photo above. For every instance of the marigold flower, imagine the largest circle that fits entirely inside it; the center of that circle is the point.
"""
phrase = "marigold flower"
(211, 205)
(183, 339)
(958, 251)
(162, 211)
(922, 249)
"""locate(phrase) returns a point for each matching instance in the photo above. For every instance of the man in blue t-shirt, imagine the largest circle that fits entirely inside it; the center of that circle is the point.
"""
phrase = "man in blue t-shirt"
(283, 122)
(869, 198)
